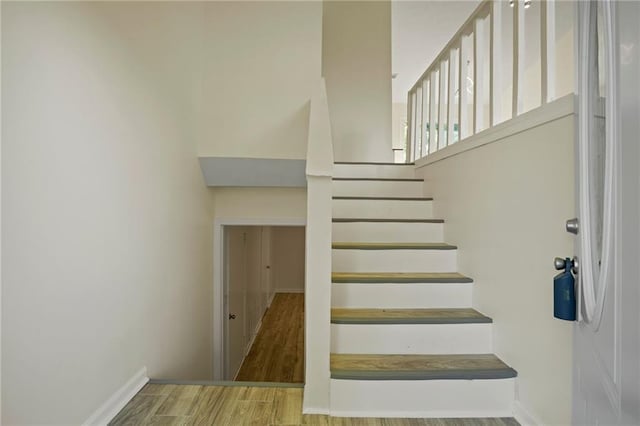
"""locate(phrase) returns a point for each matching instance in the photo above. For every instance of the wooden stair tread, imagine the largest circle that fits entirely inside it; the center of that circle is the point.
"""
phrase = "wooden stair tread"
(378, 179)
(407, 316)
(384, 220)
(345, 197)
(419, 367)
(391, 246)
(399, 277)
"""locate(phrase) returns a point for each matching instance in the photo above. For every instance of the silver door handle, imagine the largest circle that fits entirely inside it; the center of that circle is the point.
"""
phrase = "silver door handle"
(560, 263)
(572, 226)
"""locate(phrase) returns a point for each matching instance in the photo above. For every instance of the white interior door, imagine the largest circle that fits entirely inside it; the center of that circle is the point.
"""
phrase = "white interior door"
(253, 247)
(606, 336)
(235, 299)
(265, 264)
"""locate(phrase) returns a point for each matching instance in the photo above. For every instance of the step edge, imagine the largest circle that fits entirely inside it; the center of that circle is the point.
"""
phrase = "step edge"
(457, 374)
(392, 246)
(365, 198)
(226, 383)
(409, 321)
(377, 179)
(383, 220)
(372, 163)
(461, 280)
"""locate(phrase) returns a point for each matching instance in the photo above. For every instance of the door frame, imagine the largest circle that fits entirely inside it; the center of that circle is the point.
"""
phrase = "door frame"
(219, 346)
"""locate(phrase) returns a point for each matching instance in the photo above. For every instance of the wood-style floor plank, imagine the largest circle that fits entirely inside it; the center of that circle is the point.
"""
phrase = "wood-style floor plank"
(169, 420)
(412, 362)
(227, 408)
(406, 316)
(209, 404)
(156, 389)
(180, 402)
(277, 354)
(316, 420)
(242, 405)
(288, 407)
(139, 410)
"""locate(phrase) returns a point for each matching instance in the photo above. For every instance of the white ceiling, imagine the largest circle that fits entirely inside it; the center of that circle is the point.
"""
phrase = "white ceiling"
(419, 31)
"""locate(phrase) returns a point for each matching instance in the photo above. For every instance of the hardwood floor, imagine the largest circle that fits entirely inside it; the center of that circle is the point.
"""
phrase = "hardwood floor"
(277, 354)
(167, 404)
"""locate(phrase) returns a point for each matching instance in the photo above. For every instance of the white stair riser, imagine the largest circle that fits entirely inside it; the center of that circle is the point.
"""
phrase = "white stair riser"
(372, 170)
(400, 296)
(377, 188)
(422, 398)
(383, 209)
(411, 338)
(344, 260)
(387, 232)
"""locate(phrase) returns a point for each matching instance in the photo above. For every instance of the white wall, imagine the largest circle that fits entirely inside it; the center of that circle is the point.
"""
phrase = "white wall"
(398, 120)
(261, 64)
(287, 253)
(356, 63)
(106, 220)
(261, 203)
(505, 205)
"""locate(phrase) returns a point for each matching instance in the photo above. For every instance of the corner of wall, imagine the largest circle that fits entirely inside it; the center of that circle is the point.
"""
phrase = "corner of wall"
(117, 401)
(524, 416)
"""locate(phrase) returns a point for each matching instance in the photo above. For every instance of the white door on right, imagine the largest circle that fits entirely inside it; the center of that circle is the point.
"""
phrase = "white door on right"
(606, 384)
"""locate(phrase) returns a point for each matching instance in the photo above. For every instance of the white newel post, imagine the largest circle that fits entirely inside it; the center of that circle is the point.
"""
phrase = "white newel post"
(318, 256)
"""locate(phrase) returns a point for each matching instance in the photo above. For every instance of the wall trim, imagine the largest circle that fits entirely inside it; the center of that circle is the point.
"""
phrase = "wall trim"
(218, 277)
(116, 402)
(448, 414)
(524, 416)
(560, 108)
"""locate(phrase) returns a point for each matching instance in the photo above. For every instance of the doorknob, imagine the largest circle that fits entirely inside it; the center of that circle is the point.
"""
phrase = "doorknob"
(572, 226)
(560, 263)
(232, 316)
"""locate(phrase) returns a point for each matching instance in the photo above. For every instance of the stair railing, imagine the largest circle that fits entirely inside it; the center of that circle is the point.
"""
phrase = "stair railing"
(508, 58)
(318, 255)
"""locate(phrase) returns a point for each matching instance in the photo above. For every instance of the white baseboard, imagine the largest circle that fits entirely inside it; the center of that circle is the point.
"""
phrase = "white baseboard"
(314, 410)
(289, 290)
(116, 402)
(524, 416)
(253, 339)
(419, 414)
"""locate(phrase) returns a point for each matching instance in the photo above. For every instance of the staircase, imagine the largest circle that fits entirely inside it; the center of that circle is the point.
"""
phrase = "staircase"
(405, 341)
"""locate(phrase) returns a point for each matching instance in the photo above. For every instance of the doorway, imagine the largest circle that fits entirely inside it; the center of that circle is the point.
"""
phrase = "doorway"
(263, 309)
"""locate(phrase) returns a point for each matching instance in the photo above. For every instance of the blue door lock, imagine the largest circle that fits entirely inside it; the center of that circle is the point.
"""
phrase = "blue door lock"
(564, 291)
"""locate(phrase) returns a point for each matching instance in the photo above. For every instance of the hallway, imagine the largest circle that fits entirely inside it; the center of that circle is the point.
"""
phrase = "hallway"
(277, 354)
